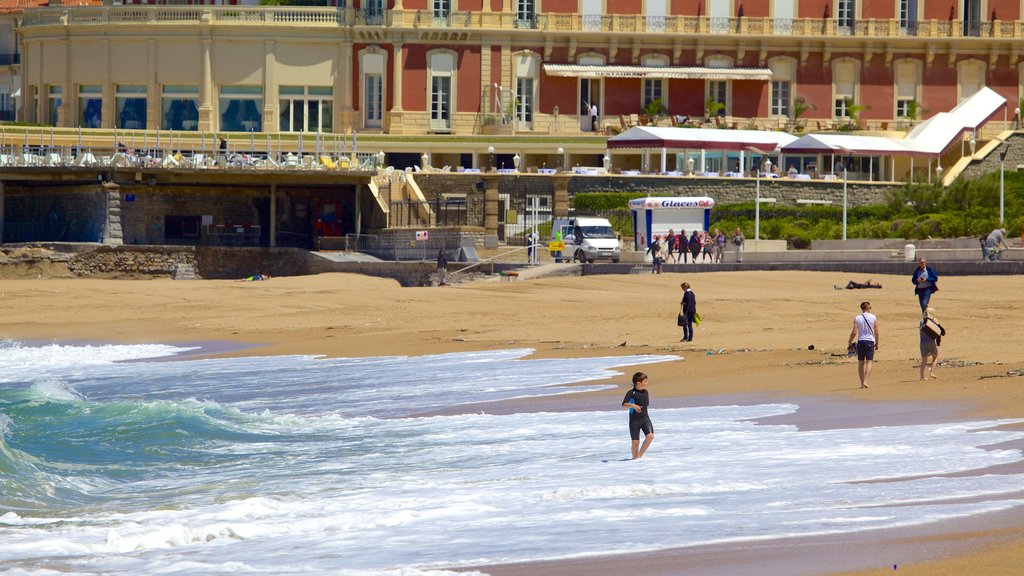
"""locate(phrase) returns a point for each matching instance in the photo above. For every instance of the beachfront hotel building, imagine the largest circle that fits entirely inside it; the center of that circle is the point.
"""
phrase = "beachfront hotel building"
(468, 84)
(445, 69)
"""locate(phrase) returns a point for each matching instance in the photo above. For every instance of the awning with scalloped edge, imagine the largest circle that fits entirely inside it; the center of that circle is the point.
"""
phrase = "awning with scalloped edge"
(657, 72)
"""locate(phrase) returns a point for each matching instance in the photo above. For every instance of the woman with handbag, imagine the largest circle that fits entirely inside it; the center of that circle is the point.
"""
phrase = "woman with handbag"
(687, 310)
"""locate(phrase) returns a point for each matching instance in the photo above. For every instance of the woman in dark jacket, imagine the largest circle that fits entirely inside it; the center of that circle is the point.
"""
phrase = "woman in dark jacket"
(694, 245)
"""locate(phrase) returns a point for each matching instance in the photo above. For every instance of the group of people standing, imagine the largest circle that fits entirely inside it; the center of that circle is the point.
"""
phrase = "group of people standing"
(673, 247)
(864, 335)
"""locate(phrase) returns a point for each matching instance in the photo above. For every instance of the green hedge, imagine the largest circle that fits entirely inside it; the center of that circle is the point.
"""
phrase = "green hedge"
(968, 208)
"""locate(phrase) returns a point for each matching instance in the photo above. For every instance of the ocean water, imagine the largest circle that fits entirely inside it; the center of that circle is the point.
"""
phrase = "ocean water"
(125, 460)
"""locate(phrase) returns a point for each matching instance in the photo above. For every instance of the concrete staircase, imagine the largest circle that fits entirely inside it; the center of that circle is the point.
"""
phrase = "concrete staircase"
(184, 271)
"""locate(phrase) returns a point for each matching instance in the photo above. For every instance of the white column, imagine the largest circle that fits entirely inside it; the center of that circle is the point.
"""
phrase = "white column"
(269, 86)
(153, 107)
(206, 122)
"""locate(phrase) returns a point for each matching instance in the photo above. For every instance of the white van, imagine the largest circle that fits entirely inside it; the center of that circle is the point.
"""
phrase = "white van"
(587, 239)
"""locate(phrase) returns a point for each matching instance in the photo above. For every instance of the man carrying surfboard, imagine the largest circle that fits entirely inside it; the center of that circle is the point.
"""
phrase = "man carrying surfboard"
(637, 400)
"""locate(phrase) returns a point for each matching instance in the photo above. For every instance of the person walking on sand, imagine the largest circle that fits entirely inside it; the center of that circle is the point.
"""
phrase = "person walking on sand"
(931, 337)
(655, 249)
(924, 279)
(737, 243)
(442, 268)
(687, 309)
(637, 400)
(865, 334)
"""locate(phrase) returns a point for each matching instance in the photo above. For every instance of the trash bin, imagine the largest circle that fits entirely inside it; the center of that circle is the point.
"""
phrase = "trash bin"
(909, 252)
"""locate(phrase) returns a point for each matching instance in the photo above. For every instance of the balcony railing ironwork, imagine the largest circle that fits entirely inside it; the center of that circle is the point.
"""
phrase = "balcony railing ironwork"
(10, 59)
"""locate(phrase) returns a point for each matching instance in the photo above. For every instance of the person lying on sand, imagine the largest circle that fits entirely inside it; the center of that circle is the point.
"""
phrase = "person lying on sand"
(254, 278)
(851, 285)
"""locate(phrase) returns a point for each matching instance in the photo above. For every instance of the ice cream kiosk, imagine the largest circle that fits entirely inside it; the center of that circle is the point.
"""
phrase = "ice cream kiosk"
(654, 216)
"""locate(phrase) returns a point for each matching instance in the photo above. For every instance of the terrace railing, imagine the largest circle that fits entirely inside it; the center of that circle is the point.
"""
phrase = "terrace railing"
(513, 21)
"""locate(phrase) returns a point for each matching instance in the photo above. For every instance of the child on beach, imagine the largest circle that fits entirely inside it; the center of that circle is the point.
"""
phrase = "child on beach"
(637, 400)
(931, 336)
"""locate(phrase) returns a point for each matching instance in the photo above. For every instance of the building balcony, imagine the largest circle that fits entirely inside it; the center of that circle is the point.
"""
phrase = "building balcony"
(517, 21)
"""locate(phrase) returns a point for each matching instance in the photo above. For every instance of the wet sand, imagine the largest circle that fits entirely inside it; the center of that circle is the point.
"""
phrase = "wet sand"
(752, 347)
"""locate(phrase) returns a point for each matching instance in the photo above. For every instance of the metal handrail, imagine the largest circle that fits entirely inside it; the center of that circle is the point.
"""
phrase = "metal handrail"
(491, 259)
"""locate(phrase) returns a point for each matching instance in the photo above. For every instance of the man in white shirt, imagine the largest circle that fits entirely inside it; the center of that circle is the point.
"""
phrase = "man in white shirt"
(865, 334)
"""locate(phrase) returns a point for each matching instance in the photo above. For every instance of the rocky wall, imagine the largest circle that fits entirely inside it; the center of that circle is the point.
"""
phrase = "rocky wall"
(66, 216)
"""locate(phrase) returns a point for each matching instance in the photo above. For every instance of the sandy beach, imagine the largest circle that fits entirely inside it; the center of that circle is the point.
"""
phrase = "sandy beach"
(755, 343)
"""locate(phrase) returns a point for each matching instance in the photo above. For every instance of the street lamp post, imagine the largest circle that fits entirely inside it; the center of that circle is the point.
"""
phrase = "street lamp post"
(844, 200)
(757, 189)
(757, 206)
(1002, 189)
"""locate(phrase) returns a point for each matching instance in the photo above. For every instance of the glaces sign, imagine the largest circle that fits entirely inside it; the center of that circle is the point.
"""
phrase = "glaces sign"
(672, 203)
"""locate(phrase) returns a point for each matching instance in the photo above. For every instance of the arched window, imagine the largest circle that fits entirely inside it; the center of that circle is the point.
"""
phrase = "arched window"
(525, 66)
(780, 97)
(718, 90)
(970, 77)
(655, 88)
(907, 76)
(372, 64)
(844, 86)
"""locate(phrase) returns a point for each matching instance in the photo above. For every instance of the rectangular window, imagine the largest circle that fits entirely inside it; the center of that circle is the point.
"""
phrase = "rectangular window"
(90, 105)
(908, 17)
(130, 104)
(374, 86)
(526, 14)
(440, 102)
(442, 10)
(592, 14)
(306, 108)
(374, 12)
(524, 91)
(655, 15)
(845, 9)
(717, 92)
(972, 18)
(652, 91)
(241, 108)
(53, 103)
(840, 107)
(179, 107)
(780, 98)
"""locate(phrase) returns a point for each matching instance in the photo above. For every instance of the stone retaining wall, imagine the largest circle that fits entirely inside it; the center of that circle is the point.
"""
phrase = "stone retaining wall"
(142, 260)
(722, 190)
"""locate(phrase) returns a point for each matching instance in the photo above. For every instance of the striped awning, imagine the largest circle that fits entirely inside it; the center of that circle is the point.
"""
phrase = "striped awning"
(657, 72)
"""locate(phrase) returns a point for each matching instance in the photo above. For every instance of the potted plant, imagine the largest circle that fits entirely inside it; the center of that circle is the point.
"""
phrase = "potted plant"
(800, 107)
(654, 110)
(713, 108)
(853, 111)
